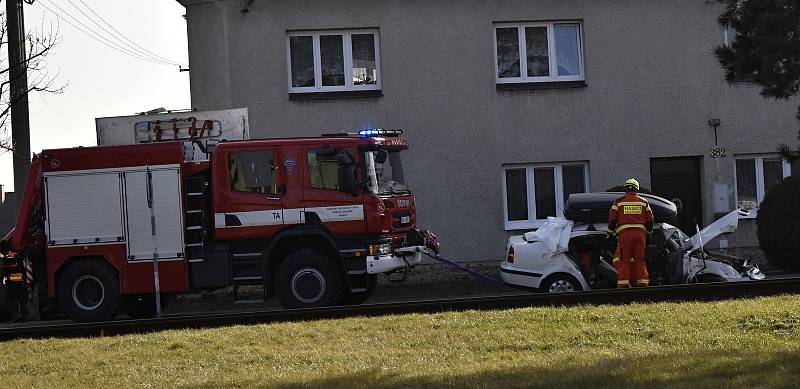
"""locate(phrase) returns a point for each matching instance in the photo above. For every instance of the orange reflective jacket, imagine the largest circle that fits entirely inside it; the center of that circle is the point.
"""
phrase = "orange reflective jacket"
(630, 211)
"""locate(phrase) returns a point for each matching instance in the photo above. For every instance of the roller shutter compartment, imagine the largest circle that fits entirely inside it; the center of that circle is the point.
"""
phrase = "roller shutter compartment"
(84, 208)
(168, 215)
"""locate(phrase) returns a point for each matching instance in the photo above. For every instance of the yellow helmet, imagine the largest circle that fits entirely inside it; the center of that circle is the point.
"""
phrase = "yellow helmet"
(632, 183)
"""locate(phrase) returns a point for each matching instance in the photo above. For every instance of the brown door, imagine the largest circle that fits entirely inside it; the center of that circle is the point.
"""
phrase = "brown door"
(679, 179)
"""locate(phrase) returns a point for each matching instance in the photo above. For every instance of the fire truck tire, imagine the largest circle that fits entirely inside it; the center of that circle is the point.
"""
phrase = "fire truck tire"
(88, 290)
(308, 279)
(356, 298)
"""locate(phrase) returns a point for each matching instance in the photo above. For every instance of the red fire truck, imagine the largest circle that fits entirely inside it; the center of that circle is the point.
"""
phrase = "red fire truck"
(314, 220)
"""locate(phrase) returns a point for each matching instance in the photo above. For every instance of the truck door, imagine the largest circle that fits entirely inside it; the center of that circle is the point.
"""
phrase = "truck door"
(325, 202)
(250, 194)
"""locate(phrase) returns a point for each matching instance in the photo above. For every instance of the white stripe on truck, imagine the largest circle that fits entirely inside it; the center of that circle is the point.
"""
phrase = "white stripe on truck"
(288, 216)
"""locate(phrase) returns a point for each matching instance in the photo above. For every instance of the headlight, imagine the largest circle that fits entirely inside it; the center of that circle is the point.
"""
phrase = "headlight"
(379, 249)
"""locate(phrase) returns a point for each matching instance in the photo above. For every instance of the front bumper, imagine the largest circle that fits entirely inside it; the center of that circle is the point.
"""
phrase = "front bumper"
(406, 256)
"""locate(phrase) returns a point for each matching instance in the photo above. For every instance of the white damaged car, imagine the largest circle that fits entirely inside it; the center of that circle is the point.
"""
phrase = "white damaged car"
(572, 255)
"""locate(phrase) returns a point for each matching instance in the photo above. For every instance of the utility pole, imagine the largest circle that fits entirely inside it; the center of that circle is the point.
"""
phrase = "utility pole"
(18, 76)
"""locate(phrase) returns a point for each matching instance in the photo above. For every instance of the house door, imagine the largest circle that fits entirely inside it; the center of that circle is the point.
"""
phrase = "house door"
(679, 179)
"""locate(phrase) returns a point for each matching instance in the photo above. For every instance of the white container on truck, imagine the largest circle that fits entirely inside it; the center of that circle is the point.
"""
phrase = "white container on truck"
(198, 129)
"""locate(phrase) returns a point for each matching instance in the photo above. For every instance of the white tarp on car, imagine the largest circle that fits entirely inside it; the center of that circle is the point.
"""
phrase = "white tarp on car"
(554, 233)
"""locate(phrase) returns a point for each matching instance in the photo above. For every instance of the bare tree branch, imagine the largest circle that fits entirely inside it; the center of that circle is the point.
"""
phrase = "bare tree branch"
(39, 44)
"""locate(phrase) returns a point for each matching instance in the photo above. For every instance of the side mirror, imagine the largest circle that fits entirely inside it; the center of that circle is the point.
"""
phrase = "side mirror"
(343, 159)
(380, 158)
(347, 179)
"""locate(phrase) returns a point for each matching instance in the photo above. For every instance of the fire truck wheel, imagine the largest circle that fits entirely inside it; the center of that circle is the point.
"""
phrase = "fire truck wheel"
(356, 298)
(88, 290)
(308, 279)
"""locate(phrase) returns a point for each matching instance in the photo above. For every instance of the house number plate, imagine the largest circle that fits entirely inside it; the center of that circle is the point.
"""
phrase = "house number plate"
(717, 152)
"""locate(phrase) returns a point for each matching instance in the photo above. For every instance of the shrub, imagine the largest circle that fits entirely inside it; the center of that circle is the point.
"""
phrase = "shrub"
(778, 224)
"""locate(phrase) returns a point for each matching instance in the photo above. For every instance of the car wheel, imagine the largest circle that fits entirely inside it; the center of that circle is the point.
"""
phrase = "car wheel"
(88, 290)
(560, 283)
(308, 279)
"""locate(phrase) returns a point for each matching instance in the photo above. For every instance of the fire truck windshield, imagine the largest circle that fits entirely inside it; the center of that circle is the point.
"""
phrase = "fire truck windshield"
(385, 173)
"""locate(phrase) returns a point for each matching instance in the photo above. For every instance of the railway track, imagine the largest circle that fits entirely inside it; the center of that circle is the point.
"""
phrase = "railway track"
(713, 291)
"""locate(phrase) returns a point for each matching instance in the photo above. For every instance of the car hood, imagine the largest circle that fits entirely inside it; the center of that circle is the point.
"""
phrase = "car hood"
(723, 225)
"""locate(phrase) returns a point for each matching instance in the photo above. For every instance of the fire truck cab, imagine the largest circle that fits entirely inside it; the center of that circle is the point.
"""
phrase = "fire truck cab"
(314, 220)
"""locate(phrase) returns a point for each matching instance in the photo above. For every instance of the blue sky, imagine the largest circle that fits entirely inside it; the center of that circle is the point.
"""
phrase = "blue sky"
(100, 80)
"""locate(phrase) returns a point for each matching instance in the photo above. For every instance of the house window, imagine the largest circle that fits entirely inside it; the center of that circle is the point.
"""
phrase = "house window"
(333, 61)
(755, 175)
(531, 193)
(538, 52)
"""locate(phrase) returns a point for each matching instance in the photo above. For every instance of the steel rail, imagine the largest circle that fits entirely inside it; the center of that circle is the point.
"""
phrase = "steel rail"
(678, 293)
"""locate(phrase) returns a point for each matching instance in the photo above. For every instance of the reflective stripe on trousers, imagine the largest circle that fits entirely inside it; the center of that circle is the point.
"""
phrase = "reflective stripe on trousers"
(626, 226)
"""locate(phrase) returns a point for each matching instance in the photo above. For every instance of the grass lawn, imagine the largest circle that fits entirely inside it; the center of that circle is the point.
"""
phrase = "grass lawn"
(737, 343)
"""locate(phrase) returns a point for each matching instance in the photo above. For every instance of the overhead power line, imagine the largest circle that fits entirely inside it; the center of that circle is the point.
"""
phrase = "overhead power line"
(126, 49)
(121, 34)
(118, 35)
(65, 16)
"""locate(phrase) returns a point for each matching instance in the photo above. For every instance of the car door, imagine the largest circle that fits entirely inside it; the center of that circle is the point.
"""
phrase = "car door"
(325, 202)
(251, 194)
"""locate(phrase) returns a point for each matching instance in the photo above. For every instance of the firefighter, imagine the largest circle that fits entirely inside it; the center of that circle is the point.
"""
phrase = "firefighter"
(16, 289)
(631, 219)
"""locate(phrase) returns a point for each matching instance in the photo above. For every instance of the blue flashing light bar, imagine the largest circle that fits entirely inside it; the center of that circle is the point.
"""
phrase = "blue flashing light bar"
(367, 132)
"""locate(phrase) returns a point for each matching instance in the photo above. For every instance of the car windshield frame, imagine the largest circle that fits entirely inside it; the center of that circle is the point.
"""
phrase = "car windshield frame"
(376, 180)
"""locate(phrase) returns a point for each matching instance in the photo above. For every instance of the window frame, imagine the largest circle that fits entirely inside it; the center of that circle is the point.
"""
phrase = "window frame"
(551, 53)
(533, 221)
(347, 52)
(759, 171)
(347, 149)
(275, 176)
